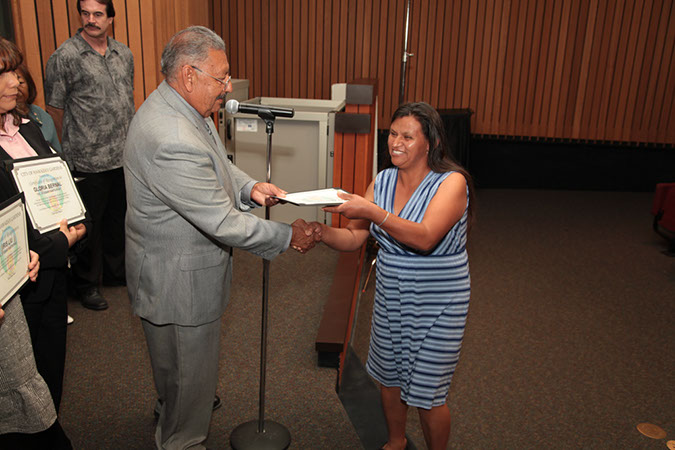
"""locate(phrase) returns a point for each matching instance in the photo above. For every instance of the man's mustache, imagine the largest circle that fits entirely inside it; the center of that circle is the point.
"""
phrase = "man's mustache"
(93, 26)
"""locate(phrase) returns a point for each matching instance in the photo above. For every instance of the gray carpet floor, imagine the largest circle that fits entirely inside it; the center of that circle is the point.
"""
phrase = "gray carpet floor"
(570, 341)
(109, 392)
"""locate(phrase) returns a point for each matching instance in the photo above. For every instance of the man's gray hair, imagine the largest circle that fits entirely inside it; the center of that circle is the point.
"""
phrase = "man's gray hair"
(189, 46)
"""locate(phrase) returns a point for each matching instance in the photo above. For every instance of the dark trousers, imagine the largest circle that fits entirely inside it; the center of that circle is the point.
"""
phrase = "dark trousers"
(104, 196)
(47, 325)
(53, 438)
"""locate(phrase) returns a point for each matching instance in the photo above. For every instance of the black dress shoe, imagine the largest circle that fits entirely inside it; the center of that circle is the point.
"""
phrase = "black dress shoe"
(92, 299)
(216, 404)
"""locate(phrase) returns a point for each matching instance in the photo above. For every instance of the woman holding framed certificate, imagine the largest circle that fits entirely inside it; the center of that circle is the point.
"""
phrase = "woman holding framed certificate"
(44, 302)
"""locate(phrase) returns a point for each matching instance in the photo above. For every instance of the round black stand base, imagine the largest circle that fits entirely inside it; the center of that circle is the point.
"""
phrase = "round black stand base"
(273, 437)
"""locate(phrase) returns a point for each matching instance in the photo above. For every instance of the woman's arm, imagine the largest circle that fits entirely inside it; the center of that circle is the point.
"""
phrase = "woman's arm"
(444, 211)
(352, 237)
(346, 239)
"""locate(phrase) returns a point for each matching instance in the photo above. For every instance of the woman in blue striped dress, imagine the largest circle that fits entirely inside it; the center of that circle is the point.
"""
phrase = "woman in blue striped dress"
(418, 210)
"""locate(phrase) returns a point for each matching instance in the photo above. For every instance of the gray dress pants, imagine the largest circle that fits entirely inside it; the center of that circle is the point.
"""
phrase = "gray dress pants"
(185, 368)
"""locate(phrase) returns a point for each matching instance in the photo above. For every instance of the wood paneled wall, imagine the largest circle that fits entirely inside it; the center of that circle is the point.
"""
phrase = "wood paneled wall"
(575, 69)
(598, 70)
(143, 25)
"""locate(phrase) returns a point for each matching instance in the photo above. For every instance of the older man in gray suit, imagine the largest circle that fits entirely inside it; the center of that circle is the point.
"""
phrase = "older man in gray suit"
(187, 209)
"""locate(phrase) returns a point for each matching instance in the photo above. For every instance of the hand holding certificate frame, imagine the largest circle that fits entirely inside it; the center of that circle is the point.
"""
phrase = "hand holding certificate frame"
(320, 197)
(49, 191)
(14, 252)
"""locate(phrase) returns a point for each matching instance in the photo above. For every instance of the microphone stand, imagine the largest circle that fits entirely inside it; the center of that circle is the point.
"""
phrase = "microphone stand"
(263, 434)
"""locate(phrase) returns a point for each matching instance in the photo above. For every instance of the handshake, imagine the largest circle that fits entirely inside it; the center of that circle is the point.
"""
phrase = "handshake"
(305, 235)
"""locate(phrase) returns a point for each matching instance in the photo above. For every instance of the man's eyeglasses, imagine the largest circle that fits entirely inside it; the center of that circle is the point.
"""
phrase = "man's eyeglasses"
(224, 82)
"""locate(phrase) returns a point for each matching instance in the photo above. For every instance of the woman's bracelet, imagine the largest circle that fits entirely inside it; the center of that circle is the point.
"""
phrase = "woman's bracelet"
(384, 220)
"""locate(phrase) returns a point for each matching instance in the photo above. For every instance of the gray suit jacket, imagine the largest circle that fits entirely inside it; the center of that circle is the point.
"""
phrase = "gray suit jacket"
(186, 208)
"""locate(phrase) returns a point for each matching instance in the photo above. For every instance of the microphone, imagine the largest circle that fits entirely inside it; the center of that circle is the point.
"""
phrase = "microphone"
(233, 107)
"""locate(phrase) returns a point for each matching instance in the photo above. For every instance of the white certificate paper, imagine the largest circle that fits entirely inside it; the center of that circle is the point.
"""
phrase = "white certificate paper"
(14, 254)
(320, 197)
(49, 191)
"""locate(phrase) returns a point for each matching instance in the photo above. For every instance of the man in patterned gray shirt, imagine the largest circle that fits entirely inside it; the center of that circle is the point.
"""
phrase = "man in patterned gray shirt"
(89, 85)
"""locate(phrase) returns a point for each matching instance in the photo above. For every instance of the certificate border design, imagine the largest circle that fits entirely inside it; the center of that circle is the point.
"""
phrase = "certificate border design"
(76, 217)
(6, 208)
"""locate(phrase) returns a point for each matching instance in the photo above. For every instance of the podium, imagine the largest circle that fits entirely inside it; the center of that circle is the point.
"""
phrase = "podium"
(303, 151)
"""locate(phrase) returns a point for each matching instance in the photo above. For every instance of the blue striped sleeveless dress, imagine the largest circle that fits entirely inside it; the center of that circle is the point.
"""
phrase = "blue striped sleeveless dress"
(421, 301)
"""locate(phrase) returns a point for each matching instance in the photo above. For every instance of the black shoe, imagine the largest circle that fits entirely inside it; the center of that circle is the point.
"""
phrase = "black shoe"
(216, 404)
(92, 299)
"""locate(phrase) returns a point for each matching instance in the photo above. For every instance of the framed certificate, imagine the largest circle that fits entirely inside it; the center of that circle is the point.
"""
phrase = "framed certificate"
(49, 191)
(14, 253)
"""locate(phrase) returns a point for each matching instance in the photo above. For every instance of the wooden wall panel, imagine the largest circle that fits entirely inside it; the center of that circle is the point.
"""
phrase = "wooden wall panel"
(588, 70)
(152, 43)
(120, 26)
(26, 38)
(143, 25)
(663, 120)
(135, 44)
(45, 28)
(61, 22)
(596, 70)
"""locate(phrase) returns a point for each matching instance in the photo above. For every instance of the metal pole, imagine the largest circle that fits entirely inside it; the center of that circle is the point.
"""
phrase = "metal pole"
(262, 434)
(406, 55)
(265, 294)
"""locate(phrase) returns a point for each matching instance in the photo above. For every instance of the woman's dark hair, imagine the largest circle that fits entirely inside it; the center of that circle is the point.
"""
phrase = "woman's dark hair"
(10, 59)
(109, 8)
(440, 157)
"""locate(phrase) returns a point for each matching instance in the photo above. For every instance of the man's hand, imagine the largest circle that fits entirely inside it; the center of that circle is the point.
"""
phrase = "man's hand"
(262, 192)
(33, 265)
(305, 235)
(73, 234)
